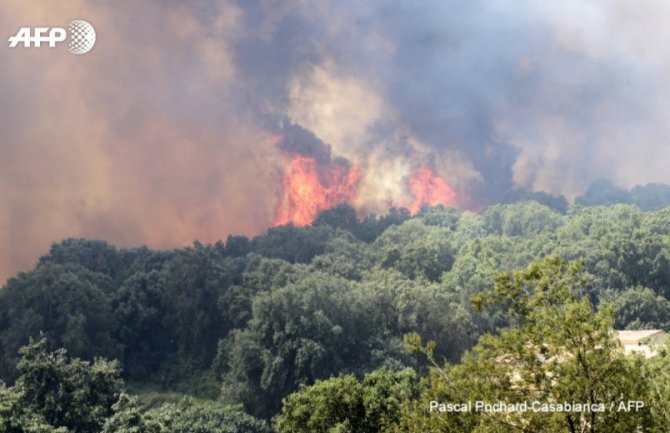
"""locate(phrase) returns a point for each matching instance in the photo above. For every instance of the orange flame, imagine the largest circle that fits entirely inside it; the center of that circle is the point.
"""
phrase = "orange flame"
(428, 188)
(309, 189)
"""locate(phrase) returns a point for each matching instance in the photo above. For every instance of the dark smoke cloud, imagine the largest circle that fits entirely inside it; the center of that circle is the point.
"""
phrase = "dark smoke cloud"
(296, 140)
(161, 134)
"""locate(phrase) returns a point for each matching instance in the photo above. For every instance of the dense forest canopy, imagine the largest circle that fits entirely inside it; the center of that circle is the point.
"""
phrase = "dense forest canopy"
(316, 313)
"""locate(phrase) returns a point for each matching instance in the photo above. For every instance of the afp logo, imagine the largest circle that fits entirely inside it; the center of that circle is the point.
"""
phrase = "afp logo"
(81, 37)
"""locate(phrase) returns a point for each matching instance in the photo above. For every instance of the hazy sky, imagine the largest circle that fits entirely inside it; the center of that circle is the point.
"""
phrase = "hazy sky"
(164, 132)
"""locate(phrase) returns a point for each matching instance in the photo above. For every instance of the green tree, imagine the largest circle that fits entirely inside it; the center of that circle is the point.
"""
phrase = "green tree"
(343, 256)
(343, 404)
(307, 330)
(128, 418)
(138, 310)
(237, 246)
(603, 192)
(192, 283)
(65, 392)
(657, 369)
(440, 216)
(342, 216)
(330, 406)
(521, 219)
(415, 249)
(293, 244)
(16, 419)
(96, 256)
(559, 349)
(651, 196)
(374, 225)
(619, 245)
(401, 305)
(68, 303)
(260, 275)
(639, 308)
(191, 416)
(556, 203)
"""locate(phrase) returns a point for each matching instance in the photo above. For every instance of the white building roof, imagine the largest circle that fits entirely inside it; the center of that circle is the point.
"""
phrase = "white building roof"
(636, 337)
(645, 342)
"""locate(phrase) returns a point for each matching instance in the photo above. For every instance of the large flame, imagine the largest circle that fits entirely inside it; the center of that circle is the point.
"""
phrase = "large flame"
(428, 188)
(314, 181)
(309, 189)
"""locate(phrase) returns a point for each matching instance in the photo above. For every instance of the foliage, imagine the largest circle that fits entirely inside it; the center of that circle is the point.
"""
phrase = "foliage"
(307, 330)
(343, 404)
(16, 419)
(639, 308)
(560, 350)
(128, 418)
(556, 203)
(603, 192)
(262, 318)
(658, 400)
(68, 303)
(55, 393)
(415, 249)
(189, 416)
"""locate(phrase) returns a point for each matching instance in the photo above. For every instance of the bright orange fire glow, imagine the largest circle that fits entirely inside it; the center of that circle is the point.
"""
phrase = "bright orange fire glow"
(428, 188)
(309, 189)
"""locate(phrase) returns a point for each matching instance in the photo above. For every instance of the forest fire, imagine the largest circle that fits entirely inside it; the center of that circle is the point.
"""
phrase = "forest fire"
(314, 181)
(428, 188)
(309, 188)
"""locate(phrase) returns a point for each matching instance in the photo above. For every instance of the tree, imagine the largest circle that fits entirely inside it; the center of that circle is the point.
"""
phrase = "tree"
(343, 256)
(440, 216)
(307, 330)
(191, 416)
(657, 369)
(559, 349)
(16, 419)
(192, 283)
(342, 216)
(639, 308)
(415, 249)
(260, 275)
(128, 418)
(619, 245)
(343, 404)
(96, 256)
(651, 196)
(138, 309)
(400, 305)
(299, 305)
(603, 192)
(66, 392)
(237, 246)
(521, 219)
(557, 203)
(373, 225)
(293, 244)
(333, 405)
(68, 303)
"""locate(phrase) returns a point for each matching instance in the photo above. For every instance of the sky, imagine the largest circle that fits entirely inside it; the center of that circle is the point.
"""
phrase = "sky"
(166, 131)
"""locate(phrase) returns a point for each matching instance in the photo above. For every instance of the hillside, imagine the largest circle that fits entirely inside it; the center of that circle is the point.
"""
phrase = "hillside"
(248, 321)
